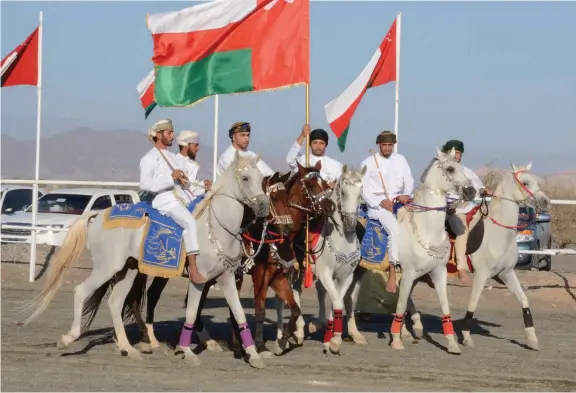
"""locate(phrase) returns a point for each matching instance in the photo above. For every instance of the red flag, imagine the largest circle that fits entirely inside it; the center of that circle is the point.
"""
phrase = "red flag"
(380, 70)
(20, 67)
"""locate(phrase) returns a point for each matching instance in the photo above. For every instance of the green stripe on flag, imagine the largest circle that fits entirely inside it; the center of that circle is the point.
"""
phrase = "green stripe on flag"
(149, 109)
(342, 139)
(220, 73)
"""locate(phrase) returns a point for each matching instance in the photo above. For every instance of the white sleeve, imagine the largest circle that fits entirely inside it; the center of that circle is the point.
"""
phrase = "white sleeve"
(293, 155)
(222, 165)
(476, 181)
(368, 189)
(150, 180)
(408, 179)
(336, 168)
(264, 168)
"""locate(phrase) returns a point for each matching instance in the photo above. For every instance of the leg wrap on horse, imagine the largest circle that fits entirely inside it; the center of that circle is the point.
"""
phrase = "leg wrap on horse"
(245, 335)
(447, 325)
(527, 317)
(397, 324)
(329, 333)
(186, 335)
(468, 319)
(338, 322)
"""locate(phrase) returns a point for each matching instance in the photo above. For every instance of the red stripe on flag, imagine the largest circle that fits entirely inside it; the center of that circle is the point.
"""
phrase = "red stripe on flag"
(24, 69)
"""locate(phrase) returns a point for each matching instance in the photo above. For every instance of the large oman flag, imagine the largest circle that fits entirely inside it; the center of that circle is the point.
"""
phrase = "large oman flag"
(380, 70)
(229, 46)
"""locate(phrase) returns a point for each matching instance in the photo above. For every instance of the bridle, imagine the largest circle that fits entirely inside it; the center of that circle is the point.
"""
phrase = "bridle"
(317, 200)
(349, 219)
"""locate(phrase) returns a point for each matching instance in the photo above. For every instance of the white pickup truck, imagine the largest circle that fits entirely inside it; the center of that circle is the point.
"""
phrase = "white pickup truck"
(59, 209)
(16, 198)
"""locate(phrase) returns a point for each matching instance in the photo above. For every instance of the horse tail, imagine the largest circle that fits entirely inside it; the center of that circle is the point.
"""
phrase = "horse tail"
(71, 249)
(132, 309)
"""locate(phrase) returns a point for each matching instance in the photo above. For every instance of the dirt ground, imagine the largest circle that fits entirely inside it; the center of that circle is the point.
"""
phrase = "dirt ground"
(500, 361)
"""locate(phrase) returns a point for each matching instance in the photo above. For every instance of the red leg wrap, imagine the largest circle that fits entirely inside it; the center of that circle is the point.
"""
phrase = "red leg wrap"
(447, 326)
(329, 333)
(338, 321)
(397, 324)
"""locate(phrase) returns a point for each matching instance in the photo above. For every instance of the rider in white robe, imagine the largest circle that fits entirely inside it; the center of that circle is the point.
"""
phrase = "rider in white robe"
(331, 169)
(189, 143)
(161, 174)
(239, 135)
(388, 177)
(457, 221)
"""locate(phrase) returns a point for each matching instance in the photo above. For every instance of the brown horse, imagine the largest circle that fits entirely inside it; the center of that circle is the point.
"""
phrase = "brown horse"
(307, 195)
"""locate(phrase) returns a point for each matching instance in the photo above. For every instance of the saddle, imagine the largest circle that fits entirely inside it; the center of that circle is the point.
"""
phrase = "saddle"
(475, 238)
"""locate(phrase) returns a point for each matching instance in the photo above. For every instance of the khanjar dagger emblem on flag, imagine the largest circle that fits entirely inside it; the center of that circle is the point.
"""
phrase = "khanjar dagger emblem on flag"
(269, 6)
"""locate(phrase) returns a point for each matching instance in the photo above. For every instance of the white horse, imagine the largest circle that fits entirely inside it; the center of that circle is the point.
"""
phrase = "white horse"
(424, 248)
(115, 251)
(334, 266)
(498, 253)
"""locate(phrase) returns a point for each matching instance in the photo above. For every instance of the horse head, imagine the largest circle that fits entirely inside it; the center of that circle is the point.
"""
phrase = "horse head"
(347, 193)
(278, 196)
(527, 188)
(247, 187)
(313, 194)
(445, 175)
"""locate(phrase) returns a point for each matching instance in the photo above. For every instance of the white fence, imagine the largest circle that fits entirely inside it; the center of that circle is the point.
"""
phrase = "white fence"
(134, 184)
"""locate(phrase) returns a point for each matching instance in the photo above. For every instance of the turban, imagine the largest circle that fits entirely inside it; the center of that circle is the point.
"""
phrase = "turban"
(386, 137)
(239, 126)
(160, 126)
(186, 137)
(454, 143)
(319, 134)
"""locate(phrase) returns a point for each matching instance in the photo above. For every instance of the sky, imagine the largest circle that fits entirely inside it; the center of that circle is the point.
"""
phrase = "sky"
(501, 76)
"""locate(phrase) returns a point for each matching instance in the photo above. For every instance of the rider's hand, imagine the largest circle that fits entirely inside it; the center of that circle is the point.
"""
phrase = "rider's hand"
(332, 184)
(403, 199)
(485, 192)
(207, 184)
(178, 174)
(305, 130)
(387, 204)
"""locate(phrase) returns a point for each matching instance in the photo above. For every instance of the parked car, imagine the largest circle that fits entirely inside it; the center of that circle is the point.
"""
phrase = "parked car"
(59, 209)
(537, 235)
(16, 198)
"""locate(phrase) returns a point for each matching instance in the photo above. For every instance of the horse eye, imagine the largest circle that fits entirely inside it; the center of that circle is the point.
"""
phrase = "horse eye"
(525, 183)
(244, 178)
(450, 169)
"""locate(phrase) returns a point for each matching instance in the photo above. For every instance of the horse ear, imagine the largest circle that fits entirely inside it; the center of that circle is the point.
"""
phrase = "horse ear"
(300, 168)
(345, 168)
(236, 156)
(529, 166)
(438, 153)
(514, 167)
(256, 159)
(453, 152)
(318, 165)
(364, 169)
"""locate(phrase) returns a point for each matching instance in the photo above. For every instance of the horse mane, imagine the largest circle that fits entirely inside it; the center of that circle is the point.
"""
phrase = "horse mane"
(200, 207)
(425, 173)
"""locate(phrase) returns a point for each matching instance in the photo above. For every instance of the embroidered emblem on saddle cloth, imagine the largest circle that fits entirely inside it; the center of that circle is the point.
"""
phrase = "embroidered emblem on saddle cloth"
(451, 266)
(374, 247)
(162, 252)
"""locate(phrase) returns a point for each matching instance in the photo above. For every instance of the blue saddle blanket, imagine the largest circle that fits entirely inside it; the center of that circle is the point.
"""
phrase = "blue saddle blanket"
(162, 243)
(375, 241)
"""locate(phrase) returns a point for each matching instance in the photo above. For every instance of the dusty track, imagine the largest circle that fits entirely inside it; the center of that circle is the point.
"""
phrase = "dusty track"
(30, 360)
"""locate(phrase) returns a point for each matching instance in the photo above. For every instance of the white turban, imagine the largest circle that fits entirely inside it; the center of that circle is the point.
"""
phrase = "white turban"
(187, 136)
(160, 126)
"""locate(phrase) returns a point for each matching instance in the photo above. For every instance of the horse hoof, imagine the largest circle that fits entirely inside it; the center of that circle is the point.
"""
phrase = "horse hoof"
(314, 327)
(334, 346)
(64, 341)
(299, 338)
(454, 349)
(146, 348)
(213, 346)
(278, 350)
(256, 362)
(532, 339)
(134, 354)
(359, 339)
(397, 345)
(418, 333)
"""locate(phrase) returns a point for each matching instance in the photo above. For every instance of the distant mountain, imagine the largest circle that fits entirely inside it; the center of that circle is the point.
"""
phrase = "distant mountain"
(87, 154)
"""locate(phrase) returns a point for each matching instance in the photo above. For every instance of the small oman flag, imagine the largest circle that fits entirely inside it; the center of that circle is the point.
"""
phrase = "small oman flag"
(380, 70)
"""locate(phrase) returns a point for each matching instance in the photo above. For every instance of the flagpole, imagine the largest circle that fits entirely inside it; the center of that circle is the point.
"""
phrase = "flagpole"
(215, 164)
(37, 169)
(397, 101)
(307, 267)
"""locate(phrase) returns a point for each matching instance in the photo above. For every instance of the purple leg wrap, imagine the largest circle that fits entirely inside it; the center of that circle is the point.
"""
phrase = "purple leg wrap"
(246, 335)
(186, 335)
